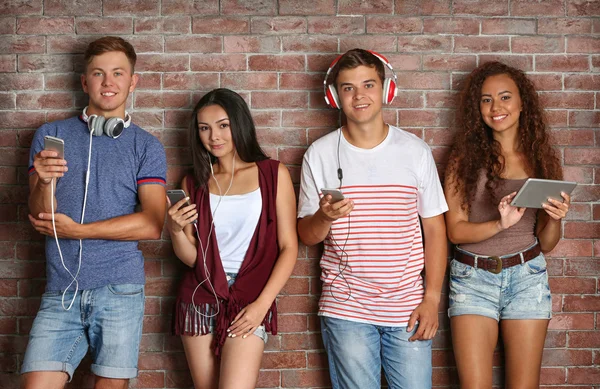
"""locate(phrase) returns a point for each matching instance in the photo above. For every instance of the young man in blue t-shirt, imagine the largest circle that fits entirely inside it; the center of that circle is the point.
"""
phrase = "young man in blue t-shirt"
(86, 205)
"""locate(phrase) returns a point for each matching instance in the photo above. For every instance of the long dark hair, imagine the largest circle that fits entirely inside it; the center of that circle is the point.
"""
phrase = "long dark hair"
(243, 132)
(475, 149)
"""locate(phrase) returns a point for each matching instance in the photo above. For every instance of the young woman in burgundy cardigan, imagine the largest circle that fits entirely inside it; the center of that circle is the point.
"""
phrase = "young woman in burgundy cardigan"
(238, 237)
(498, 278)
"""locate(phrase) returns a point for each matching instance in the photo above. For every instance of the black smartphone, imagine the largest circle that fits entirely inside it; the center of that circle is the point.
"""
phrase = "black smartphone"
(175, 195)
(55, 144)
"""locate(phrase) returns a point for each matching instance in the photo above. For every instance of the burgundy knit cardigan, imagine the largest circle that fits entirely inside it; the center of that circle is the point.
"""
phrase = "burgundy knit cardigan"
(252, 277)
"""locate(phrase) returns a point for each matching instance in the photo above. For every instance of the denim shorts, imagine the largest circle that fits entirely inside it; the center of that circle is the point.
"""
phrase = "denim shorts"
(259, 331)
(518, 292)
(356, 352)
(106, 320)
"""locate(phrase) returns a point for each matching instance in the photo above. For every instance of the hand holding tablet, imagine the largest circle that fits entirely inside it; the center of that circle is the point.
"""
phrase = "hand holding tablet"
(536, 192)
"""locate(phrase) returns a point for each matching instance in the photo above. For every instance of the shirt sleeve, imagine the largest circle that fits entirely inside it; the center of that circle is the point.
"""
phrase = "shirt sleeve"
(153, 164)
(37, 145)
(430, 197)
(308, 199)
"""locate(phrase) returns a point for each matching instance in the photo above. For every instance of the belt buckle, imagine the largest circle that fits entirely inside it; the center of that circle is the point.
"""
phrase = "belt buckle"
(498, 268)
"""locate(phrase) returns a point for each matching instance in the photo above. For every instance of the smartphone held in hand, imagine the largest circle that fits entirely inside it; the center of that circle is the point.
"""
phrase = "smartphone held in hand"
(55, 144)
(175, 195)
(336, 194)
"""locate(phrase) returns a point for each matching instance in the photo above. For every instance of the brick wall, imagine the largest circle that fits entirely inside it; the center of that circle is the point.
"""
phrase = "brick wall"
(275, 53)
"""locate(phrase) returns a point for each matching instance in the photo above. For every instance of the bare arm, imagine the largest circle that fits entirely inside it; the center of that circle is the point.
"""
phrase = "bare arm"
(183, 234)
(548, 229)
(461, 230)
(436, 253)
(40, 193)
(47, 167)
(314, 229)
(146, 224)
(252, 315)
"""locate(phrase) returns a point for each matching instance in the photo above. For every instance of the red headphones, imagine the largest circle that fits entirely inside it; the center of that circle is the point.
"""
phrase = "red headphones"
(389, 84)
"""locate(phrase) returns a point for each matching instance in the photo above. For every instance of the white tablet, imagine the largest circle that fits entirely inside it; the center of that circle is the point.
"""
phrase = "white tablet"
(536, 191)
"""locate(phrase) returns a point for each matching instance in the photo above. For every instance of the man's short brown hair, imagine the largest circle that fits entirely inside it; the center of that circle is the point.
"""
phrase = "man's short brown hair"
(353, 59)
(108, 44)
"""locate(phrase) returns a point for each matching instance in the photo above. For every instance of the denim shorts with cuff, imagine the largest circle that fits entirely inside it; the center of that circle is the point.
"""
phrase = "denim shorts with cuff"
(519, 292)
(260, 331)
(107, 320)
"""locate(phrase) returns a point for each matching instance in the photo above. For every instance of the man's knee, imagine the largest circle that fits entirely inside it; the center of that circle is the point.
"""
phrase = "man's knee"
(110, 383)
(44, 380)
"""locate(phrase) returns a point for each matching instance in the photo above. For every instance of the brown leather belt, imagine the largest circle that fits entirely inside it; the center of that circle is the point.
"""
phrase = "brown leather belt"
(495, 264)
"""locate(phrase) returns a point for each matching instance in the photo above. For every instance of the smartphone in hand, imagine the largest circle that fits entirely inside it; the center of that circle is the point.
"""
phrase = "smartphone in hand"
(336, 194)
(55, 144)
(175, 195)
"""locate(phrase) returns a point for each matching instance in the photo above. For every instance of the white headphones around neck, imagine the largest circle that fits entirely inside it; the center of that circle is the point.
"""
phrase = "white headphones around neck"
(99, 125)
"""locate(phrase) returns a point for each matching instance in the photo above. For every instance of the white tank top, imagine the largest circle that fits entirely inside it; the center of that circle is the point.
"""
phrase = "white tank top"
(235, 221)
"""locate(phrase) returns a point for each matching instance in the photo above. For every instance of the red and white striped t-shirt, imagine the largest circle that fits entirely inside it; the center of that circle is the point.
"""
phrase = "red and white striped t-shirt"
(373, 258)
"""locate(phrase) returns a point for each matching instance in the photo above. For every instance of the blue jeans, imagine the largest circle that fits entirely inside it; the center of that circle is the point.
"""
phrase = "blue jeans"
(357, 352)
(108, 320)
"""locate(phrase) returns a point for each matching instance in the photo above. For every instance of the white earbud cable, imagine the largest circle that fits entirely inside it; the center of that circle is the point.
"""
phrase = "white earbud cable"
(205, 251)
(74, 277)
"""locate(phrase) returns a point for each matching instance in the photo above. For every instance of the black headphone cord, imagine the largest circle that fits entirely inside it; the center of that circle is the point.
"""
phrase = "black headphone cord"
(341, 265)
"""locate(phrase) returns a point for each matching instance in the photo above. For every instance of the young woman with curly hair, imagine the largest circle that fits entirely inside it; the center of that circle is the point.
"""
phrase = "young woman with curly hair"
(498, 274)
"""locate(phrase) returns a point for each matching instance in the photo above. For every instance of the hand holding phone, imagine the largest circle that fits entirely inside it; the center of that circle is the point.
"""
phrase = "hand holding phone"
(336, 194)
(175, 196)
(180, 217)
(49, 166)
(55, 144)
(337, 206)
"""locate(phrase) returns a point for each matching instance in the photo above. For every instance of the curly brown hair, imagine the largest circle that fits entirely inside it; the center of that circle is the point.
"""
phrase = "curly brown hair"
(475, 148)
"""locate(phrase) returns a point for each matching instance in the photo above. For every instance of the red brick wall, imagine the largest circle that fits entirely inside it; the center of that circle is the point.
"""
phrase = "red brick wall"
(275, 53)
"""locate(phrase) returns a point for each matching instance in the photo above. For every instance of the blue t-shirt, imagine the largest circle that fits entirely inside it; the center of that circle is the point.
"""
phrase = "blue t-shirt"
(118, 167)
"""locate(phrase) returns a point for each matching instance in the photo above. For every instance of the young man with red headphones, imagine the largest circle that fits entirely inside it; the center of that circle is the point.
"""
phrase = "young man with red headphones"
(86, 205)
(376, 309)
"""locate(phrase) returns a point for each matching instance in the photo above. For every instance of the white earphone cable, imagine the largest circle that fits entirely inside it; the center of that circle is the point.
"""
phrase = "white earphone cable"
(62, 260)
(74, 281)
(205, 251)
